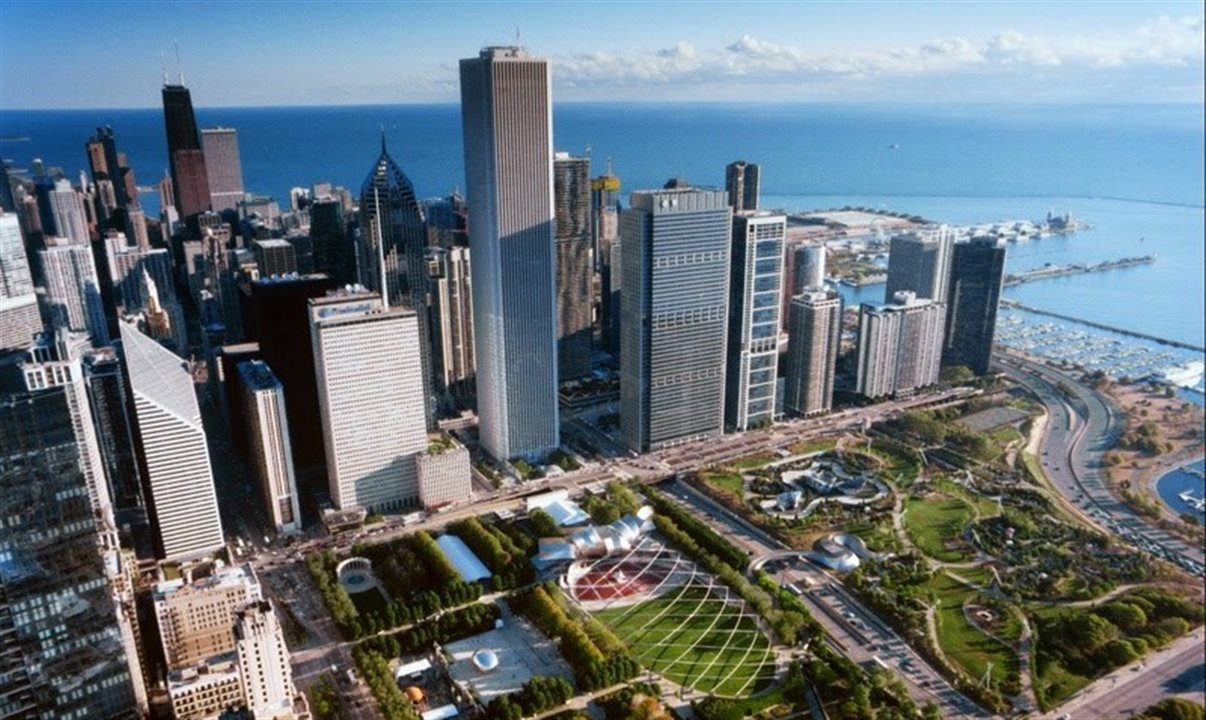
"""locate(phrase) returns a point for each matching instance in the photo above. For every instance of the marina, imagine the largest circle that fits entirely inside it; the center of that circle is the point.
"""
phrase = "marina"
(1184, 490)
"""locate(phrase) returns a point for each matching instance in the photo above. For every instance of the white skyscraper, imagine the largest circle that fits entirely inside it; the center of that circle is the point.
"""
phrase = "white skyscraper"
(370, 394)
(73, 291)
(268, 690)
(756, 282)
(899, 345)
(18, 302)
(67, 207)
(268, 442)
(223, 169)
(506, 113)
(171, 440)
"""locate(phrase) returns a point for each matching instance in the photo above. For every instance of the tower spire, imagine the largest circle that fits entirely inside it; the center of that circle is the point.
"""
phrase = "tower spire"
(383, 139)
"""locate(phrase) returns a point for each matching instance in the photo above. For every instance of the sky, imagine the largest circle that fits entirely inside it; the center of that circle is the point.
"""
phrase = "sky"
(60, 54)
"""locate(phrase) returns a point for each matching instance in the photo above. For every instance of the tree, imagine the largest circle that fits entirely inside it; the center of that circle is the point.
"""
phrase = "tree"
(543, 524)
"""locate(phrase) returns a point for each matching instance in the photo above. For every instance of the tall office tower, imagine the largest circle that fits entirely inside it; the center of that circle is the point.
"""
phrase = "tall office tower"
(605, 239)
(742, 181)
(814, 335)
(452, 317)
(755, 284)
(372, 431)
(167, 192)
(506, 116)
(197, 616)
(18, 301)
(111, 415)
(810, 268)
(675, 320)
(105, 164)
(8, 201)
(223, 171)
(190, 179)
(67, 208)
(127, 266)
(977, 275)
(268, 443)
(268, 689)
(448, 221)
(274, 257)
(136, 227)
(333, 251)
(61, 651)
(571, 199)
(172, 454)
(73, 291)
(899, 345)
(920, 263)
(393, 230)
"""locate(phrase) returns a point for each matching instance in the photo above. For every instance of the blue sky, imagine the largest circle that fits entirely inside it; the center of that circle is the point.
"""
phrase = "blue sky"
(108, 54)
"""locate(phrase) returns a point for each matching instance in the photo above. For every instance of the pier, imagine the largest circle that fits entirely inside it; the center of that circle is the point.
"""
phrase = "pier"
(1102, 326)
(1055, 271)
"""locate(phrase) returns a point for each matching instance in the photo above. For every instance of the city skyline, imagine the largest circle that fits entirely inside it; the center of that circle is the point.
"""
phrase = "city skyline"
(1129, 52)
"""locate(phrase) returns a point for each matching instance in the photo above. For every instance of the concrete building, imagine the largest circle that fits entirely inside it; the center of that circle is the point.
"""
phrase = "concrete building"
(67, 209)
(223, 170)
(274, 257)
(444, 474)
(977, 276)
(675, 316)
(196, 615)
(810, 268)
(206, 690)
(267, 678)
(268, 444)
(743, 184)
(755, 285)
(605, 238)
(172, 451)
(571, 199)
(506, 113)
(814, 335)
(920, 263)
(899, 345)
(18, 302)
(370, 396)
(128, 268)
(73, 291)
(451, 291)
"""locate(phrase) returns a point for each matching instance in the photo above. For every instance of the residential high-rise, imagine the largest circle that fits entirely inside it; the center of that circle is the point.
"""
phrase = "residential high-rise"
(67, 209)
(268, 444)
(223, 171)
(977, 275)
(73, 291)
(741, 180)
(814, 335)
(18, 302)
(810, 268)
(506, 114)
(899, 345)
(393, 230)
(268, 690)
(274, 257)
(334, 253)
(755, 285)
(571, 196)
(452, 318)
(190, 179)
(196, 617)
(61, 651)
(370, 396)
(675, 316)
(605, 239)
(920, 263)
(172, 452)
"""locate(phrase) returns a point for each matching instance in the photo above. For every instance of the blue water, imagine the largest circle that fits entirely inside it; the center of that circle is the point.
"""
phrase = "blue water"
(1131, 171)
(1171, 485)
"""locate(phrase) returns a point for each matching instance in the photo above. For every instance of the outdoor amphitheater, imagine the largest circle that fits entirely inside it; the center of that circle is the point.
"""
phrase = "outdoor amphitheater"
(679, 621)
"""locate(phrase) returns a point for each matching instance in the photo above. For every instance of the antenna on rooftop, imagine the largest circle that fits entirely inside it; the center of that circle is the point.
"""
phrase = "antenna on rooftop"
(516, 34)
(163, 66)
(179, 72)
(609, 166)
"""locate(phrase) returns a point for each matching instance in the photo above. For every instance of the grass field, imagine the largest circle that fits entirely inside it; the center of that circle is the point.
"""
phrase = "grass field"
(933, 520)
(729, 482)
(806, 447)
(963, 642)
(694, 638)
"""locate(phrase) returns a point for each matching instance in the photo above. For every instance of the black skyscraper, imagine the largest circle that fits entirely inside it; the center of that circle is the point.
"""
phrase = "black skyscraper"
(974, 292)
(190, 182)
(334, 253)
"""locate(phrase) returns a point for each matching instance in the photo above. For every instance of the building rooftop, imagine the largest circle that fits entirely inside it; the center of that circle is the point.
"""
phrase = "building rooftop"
(273, 243)
(258, 376)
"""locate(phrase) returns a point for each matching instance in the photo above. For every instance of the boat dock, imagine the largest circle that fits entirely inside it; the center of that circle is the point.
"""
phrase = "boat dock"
(1054, 271)
(1102, 326)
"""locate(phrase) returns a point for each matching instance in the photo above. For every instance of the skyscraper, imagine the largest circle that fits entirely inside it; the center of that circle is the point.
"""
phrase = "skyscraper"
(61, 652)
(605, 238)
(223, 171)
(452, 317)
(334, 253)
(393, 229)
(111, 413)
(506, 113)
(810, 272)
(268, 444)
(571, 195)
(755, 285)
(18, 302)
(977, 274)
(370, 396)
(920, 263)
(268, 689)
(172, 452)
(73, 291)
(190, 179)
(815, 332)
(274, 257)
(899, 345)
(741, 180)
(67, 208)
(674, 325)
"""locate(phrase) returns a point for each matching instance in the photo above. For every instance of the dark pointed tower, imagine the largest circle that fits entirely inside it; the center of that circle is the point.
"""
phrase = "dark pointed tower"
(392, 246)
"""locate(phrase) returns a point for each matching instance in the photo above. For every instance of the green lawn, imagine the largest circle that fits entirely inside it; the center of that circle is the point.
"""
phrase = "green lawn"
(807, 447)
(963, 642)
(691, 637)
(729, 482)
(933, 520)
(984, 506)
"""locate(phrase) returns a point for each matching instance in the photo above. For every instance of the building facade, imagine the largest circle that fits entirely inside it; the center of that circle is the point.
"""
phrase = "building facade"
(674, 322)
(743, 184)
(274, 257)
(67, 209)
(451, 291)
(899, 345)
(268, 444)
(111, 412)
(755, 285)
(974, 295)
(18, 301)
(186, 158)
(506, 112)
(814, 336)
(575, 273)
(268, 690)
(196, 617)
(605, 238)
(334, 253)
(223, 169)
(73, 291)
(920, 263)
(444, 474)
